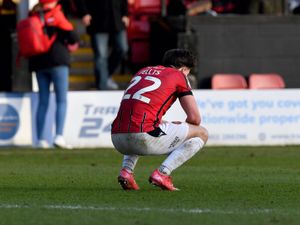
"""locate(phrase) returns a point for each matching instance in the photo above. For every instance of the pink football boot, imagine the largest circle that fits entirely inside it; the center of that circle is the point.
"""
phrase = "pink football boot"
(162, 181)
(126, 180)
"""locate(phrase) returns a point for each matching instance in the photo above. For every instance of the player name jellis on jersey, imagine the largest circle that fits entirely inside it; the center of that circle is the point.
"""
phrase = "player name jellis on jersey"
(151, 71)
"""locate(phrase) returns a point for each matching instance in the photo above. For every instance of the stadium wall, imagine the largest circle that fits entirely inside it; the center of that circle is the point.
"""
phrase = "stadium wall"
(241, 117)
(245, 45)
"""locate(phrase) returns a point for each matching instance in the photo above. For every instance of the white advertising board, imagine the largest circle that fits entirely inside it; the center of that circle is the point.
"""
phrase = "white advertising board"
(89, 117)
(252, 117)
(262, 117)
(15, 120)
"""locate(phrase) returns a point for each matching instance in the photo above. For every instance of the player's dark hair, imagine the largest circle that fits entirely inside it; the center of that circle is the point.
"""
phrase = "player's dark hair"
(179, 58)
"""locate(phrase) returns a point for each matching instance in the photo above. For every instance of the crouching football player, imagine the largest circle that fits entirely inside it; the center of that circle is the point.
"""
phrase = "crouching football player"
(138, 129)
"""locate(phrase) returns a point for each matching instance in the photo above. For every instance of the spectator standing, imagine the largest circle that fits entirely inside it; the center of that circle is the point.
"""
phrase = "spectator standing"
(139, 130)
(106, 22)
(53, 67)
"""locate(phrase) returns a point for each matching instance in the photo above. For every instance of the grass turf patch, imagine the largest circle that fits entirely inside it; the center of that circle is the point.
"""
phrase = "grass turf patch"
(221, 185)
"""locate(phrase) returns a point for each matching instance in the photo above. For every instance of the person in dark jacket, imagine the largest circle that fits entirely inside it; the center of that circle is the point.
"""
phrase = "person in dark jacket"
(106, 20)
(53, 67)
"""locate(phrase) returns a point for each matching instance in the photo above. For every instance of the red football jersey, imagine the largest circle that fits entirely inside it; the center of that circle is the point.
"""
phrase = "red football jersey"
(149, 95)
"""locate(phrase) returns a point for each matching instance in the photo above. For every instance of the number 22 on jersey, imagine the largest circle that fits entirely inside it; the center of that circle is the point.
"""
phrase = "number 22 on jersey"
(138, 95)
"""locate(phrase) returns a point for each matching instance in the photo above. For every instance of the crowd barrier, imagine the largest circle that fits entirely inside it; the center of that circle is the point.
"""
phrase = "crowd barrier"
(235, 117)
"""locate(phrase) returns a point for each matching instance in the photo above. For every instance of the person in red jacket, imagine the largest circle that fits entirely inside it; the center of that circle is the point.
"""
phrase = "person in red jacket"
(53, 67)
(139, 129)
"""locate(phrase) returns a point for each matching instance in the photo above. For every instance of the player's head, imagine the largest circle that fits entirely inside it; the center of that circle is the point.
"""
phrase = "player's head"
(179, 58)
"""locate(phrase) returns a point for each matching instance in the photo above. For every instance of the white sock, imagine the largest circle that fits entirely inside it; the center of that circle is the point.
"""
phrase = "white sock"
(164, 170)
(182, 154)
(129, 162)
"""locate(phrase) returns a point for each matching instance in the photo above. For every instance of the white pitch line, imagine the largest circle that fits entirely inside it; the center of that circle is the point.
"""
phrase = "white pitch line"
(165, 210)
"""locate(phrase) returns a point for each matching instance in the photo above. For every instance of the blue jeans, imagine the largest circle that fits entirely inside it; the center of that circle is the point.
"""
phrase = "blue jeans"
(59, 77)
(105, 63)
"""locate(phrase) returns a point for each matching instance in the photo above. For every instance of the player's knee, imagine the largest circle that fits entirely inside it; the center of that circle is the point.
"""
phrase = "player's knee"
(198, 131)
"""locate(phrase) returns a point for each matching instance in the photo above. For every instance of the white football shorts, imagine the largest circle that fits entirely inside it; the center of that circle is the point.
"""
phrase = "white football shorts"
(170, 138)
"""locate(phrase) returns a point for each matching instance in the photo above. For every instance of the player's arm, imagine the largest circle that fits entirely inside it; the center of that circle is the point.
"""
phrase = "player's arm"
(190, 107)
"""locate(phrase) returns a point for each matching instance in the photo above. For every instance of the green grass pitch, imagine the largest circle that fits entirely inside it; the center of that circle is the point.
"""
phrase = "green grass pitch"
(219, 186)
